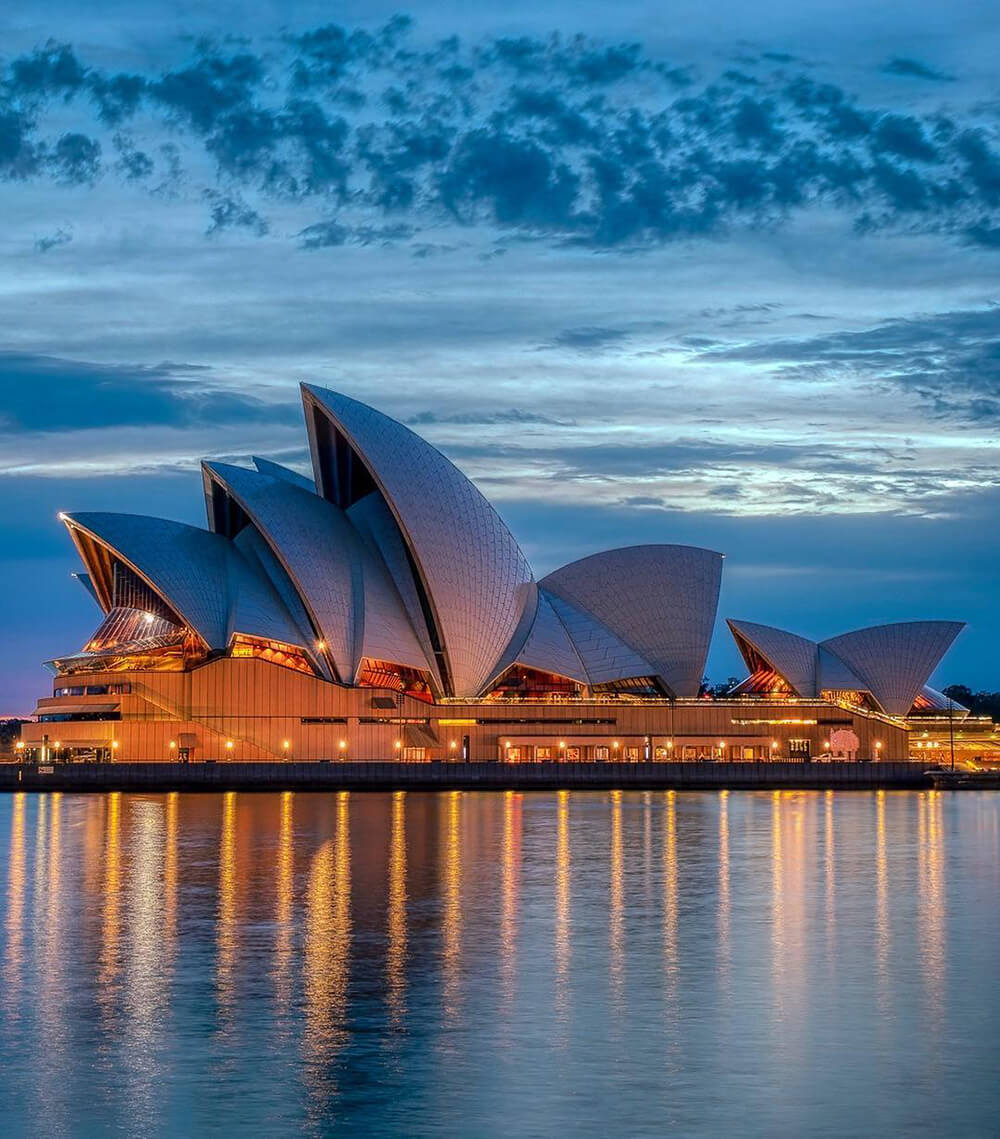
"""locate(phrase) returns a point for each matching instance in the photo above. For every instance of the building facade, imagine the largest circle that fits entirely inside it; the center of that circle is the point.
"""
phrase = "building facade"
(383, 610)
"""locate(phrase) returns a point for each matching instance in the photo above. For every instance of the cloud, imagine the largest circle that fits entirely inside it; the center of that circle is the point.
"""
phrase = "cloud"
(915, 69)
(591, 339)
(47, 394)
(566, 140)
(950, 361)
(52, 240)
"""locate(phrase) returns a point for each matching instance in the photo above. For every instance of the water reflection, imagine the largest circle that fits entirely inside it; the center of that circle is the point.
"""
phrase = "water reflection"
(723, 904)
(562, 916)
(616, 914)
(380, 962)
(14, 924)
(451, 926)
(396, 916)
(227, 928)
(932, 906)
(511, 888)
(327, 957)
(284, 915)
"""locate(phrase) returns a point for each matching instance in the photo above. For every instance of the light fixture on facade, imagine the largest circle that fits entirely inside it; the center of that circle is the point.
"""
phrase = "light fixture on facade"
(114, 744)
(398, 744)
(342, 744)
(285, 745)
(173, 744)
(229, 745)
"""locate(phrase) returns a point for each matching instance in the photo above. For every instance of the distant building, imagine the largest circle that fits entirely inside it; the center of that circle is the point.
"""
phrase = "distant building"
(384, 610)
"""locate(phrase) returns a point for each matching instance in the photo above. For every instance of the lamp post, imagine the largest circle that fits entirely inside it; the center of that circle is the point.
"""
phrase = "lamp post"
(951, 731)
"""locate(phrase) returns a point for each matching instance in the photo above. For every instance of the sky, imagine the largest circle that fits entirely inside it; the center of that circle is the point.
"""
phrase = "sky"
(725, 275)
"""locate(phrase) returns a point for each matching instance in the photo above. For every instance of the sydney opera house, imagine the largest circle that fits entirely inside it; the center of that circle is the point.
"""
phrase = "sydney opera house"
(382, 610)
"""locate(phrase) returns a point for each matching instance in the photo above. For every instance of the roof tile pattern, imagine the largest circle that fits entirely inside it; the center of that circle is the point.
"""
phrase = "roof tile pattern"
(549, 647)
(340, 579)
(791, 656)
(605, 656)
(199, 574)
(895, 661)
(277, 471)
(659, 599)
(470, 564)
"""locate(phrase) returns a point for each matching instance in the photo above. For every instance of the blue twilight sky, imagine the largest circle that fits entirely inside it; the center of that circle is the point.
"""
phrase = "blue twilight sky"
(719, 274)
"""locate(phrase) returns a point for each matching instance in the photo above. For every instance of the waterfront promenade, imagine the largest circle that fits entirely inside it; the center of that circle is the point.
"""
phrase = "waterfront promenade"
(336, 776)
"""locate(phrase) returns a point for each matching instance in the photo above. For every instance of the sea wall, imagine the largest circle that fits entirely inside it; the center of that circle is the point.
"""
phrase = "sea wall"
(335, 776)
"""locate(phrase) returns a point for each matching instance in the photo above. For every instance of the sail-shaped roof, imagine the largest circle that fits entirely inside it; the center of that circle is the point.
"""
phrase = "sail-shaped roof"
(467, 565)
(791, 656)
(659, 599)
(353, 607)
(896, 660)
(277, 471)
(199, 575)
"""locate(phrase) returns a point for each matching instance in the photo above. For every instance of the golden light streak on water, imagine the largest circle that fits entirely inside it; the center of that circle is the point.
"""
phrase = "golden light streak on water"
(882, 930)
(283, 970)
(327, 957)
(111, 926)
(14, 922)
(616, 913)
(724, 904)
(227, 921)
(932, 907)
(396, 917)
(170, 875)
(779, 947)
(145, 987)
(830, 872)
(670, 955)
(41, 852)
(451, 913)
(563, 939)
(511, 893)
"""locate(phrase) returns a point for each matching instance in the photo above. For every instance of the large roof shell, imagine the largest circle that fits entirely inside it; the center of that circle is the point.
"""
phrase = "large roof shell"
(468, 565)
(659, 599)
(198, 574)
(896, 660)
(353, 606)
(791, 656)
(604, 655)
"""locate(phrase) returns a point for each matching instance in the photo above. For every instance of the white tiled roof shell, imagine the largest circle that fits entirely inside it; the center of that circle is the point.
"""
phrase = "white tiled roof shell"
(277, 471)
(941, 703)
(833, 673)
(895, 661)
(549, 646)
(660, 599)
(791, 656)
(376, 526)
(199, 574)
(341, 580)
(604, 655)
(471, 565)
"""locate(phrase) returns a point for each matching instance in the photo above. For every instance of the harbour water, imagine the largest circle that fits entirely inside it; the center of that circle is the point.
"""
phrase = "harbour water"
(586, 963)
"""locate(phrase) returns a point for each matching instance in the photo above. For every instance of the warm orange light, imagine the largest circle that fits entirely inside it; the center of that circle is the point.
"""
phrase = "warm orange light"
(173, 744)
(342, 744)
(562, 743)
(57, 744)
(286, 744)
(614, 743)
(670, 743)
(878, 745)
(321, 645)
(229, 744)
(19, 745)
(399, 744)
(722, 743)
(114, 744)
(506, 743)
(826, 745)
(774, 744)
(453, 745)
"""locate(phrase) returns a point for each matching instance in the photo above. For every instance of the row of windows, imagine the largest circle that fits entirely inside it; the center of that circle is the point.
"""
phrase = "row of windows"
(94, 690)
(64, 717)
